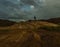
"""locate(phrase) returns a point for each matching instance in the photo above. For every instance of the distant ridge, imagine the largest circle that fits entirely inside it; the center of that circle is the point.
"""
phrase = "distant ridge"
(4, 23)
(54, 20)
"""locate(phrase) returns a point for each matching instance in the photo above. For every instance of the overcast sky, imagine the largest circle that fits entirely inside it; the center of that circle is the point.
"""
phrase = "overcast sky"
(26, 9)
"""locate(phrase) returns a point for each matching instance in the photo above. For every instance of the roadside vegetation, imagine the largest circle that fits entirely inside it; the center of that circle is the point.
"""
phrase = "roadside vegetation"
(50, 28)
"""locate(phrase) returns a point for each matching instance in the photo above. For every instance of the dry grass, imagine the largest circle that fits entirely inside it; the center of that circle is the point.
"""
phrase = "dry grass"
(27, 34)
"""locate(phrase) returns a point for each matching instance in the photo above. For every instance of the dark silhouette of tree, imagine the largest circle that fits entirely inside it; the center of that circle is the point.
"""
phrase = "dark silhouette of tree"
(34, 17)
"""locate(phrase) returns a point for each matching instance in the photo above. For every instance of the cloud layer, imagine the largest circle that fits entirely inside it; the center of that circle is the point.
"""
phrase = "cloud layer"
(27, 9)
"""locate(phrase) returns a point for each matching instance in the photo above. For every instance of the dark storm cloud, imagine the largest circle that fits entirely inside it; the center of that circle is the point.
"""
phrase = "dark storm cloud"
(27, 9)
(30, 2)
(53, 8)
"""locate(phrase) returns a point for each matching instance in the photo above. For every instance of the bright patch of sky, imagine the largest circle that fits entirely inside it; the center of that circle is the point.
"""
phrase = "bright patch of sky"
(32, 6)
(27, 8)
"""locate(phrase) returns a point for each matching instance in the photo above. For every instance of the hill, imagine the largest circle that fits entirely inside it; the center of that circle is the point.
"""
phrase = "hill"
(30, 34)
(53, 20)
(28, 25)
(4, 23)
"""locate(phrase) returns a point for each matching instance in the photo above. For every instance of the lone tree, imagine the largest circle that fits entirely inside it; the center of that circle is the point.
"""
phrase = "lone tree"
(34, 17)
